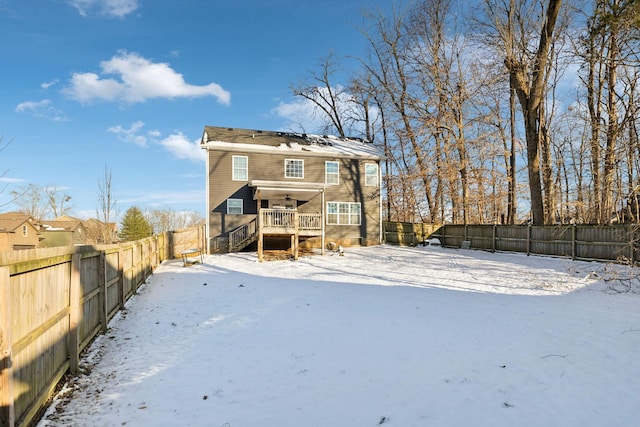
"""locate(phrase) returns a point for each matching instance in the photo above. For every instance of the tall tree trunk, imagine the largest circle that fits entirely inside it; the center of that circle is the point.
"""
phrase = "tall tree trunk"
(612, 131)
(531, 89)
(511, 197)
(594, 96)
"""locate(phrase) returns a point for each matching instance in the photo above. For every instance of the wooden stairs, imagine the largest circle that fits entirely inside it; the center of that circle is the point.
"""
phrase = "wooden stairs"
(243, 236)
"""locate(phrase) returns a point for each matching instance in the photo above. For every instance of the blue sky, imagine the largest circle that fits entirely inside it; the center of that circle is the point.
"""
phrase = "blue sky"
(130, 84)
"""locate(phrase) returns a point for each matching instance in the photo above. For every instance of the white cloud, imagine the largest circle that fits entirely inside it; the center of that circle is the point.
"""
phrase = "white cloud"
(43, 109)
(131, 135)
(86, 87)
(180, 146)
(11, 180)
(177, 144)
(138, 80)
(110, 8)
(47, 85)
(301, 115)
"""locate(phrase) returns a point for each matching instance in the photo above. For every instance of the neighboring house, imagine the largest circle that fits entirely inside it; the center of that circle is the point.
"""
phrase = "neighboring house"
(63, 231)
(18, 231)
(99, 232)
(278, 189)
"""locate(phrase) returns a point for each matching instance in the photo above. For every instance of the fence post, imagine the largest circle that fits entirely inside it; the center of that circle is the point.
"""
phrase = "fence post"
(7, 413)
(443, 234)
(413, 235)
(493, 244)
(631, 244)
(573, 241)
(102, 278)
(75, 295)
(121, 278)
(528, 239)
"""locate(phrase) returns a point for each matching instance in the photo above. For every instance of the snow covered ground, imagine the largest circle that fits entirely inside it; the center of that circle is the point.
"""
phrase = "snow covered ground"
(395, 336)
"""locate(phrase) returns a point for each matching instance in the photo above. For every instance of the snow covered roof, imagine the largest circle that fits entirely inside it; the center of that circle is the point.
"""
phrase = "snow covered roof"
(247, 140)
(61, 225)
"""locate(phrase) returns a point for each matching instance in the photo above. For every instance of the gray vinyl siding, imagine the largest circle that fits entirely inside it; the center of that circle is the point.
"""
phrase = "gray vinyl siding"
(270, 167)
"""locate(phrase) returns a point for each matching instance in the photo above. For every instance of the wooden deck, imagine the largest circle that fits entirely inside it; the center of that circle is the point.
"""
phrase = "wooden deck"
(277, 222)
(288, 222)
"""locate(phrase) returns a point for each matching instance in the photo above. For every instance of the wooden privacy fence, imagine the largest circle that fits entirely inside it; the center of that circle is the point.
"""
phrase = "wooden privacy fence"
(407, 233)
(54, 302)
(584, 242)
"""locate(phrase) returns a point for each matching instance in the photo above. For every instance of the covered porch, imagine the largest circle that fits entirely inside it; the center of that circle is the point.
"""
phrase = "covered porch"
(282, 218)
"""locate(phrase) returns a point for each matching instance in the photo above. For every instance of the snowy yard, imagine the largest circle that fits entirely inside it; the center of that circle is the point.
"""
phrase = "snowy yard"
(390, 336)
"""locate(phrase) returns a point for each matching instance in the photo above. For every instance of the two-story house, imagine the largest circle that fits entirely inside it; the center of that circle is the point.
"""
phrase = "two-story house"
(276, 188)
(18, 231)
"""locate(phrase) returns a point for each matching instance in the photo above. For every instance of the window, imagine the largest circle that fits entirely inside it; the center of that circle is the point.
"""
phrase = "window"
(371, 175)
(293, 168)
(234, 206)
(343, 213)
(331, 173)
(25, 231)
(240, 168)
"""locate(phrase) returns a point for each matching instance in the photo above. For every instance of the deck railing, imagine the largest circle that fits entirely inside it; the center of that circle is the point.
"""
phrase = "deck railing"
(287, 219)
(242, 235)
(278, 218)
(310, 221)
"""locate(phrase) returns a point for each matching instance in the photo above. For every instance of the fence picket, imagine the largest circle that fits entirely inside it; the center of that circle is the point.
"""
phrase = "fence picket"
(66, 297)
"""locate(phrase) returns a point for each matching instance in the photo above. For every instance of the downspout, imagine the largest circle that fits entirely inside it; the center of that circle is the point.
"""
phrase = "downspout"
(208, 206)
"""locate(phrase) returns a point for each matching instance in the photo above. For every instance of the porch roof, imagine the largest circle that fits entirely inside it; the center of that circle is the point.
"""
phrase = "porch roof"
(286, 189)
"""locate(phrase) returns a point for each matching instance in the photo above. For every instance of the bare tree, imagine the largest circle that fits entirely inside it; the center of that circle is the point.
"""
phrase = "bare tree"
(30, 200)
(513, 26)
(167, 219)
(330, 99)
(609, 51)
(3, 146)
(57, 201)
(390, 70)
(107, 203)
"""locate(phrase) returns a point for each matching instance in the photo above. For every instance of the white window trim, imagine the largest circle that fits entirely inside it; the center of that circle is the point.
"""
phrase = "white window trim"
(350, 204)
(366, 184)
(241, 207)
(293, 160)
(233, 168)
(326, 174)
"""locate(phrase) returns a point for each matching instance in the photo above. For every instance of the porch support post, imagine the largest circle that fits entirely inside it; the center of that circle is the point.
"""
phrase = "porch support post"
(295, 239)
(259, 221)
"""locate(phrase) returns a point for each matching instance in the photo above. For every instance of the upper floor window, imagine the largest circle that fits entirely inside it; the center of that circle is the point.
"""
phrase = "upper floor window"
(234, 206)
(331, 173)
(240, 168)
(25, 231)
(293, 168)
(371, 175)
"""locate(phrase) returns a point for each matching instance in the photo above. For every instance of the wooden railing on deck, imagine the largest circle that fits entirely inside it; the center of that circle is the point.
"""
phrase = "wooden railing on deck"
(242, 236)
(310, 221)
(279, 218)
(286, 220)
